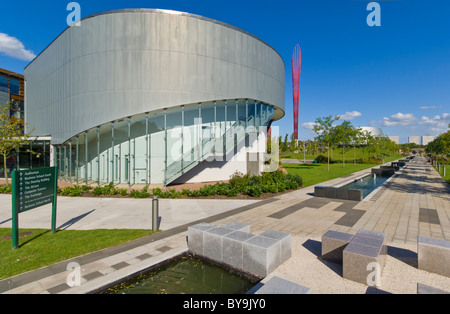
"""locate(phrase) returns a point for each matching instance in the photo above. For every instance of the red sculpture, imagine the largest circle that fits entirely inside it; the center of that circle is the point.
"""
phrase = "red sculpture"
(296, 64)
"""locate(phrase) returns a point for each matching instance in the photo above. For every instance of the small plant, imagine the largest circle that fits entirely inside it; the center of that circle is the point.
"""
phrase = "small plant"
(140, 194)
(7, 188)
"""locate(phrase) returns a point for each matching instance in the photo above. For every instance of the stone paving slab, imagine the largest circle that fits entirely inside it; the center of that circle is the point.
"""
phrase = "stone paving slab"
(396, 212)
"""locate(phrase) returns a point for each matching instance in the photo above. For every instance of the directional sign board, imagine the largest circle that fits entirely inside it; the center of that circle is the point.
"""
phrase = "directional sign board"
(32, 188)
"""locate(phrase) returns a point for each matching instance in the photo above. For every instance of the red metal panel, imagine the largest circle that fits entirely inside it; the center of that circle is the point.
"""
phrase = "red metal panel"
(296, 65)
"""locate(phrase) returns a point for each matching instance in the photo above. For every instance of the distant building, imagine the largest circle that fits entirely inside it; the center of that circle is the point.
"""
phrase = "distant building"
(427, 139)
(374, 131)
(394, 139)
(12, 89)
(414, 139)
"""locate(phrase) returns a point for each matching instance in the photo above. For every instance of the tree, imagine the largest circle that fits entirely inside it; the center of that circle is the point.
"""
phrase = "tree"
(343, 134)
(323, 127)
(294, 143)
(11, 137)
(439, 147)
(357, 141)
(365, 139)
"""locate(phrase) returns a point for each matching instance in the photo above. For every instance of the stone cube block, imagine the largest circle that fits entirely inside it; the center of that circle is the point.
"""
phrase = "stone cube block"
(285, 243)
(212, 242)
(261, 255)
(238, 226)
(424, 289)
(233, 248)
(330, 192)
(195, 237)
(365, 247)
(355, 195)
(355, 261)
(342, 194)
(333, 244)
(319, 191)
(277, 285)
(433, 255)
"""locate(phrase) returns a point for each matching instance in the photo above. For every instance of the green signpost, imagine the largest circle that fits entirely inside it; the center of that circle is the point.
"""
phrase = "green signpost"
(32, 188)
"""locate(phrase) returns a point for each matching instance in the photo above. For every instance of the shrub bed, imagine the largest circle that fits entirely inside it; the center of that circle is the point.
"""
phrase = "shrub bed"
(239, 184)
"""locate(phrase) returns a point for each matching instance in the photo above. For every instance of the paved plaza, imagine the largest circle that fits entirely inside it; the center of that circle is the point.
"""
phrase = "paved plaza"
(415, 201)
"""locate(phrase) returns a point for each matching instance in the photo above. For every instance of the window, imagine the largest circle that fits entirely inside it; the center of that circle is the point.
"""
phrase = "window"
(4, 84)
(14, 86)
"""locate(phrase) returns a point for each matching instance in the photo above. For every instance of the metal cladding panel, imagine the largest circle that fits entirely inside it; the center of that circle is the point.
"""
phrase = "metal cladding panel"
(126, 62)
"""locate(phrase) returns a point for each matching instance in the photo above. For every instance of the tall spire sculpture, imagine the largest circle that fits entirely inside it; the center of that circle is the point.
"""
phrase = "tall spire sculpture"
(296, 64)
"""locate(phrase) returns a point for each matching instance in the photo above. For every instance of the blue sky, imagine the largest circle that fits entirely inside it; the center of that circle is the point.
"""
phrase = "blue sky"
(395, 76)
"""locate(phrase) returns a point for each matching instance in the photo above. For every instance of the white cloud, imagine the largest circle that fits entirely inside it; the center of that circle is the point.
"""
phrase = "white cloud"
(429, 107)
(437, 124)
(309, 125)
(350, 115)
(13, 47)
(399, 118)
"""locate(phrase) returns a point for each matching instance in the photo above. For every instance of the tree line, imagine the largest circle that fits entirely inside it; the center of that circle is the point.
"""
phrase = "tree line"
(439, 148)
(342, 137)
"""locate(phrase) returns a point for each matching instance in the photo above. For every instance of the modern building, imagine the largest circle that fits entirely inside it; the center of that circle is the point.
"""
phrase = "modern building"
(395, 139)
(34, 154)
(154, 96)
(374, 131)
(414, 139)
(427, 139)
(12, 89)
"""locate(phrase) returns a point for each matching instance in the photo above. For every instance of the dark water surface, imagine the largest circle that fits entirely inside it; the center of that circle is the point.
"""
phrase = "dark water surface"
(189, 275)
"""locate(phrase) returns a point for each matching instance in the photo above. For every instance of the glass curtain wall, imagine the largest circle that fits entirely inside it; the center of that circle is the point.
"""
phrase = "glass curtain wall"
(35, 154)
(156, 147)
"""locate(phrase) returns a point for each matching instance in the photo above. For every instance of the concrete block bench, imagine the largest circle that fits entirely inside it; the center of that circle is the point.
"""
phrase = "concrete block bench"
(278, 285)
(234, 245)
(195, 237)
(424, 289)
(212, 242)
(285, 240)
(395, 168)
(338, 193)
(333, 244)
(434, 255)
(383, 172)
(364, 257)
(233, 248)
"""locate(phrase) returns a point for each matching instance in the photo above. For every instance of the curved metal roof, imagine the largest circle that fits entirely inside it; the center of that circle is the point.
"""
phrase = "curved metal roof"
(163, 11)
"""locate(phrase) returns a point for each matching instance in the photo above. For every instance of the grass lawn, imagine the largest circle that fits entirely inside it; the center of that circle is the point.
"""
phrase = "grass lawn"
(316, 173)
(41, 248)
(447, 171)
(336, 155)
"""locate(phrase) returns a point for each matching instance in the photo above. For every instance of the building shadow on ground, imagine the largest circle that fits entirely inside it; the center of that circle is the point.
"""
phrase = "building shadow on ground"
(72, 221)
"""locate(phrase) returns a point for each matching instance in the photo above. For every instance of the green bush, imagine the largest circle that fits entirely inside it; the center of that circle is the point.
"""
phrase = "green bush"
(254, 186)
(140, 194)
(7, 188)
(322, 159)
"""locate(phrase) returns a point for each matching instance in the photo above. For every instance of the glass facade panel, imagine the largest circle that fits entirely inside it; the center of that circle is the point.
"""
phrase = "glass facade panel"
(139, 150)
(121, 152)
(159, 147)
(14, 86)
(156, 147)
(173, 142)
(4, 84)
(242, 112)
(191, 130)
